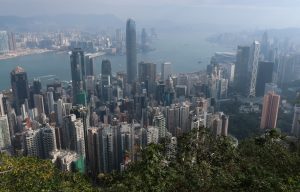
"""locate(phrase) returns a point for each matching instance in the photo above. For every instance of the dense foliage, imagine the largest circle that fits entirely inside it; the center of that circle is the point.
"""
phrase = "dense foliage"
(202, 163)
(205, 163)
(32, 174)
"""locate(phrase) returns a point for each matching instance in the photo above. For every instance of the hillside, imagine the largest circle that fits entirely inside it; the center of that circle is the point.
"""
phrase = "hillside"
(202, 163)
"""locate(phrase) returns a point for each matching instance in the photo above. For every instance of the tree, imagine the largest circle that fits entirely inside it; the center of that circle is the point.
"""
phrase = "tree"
(32, 174)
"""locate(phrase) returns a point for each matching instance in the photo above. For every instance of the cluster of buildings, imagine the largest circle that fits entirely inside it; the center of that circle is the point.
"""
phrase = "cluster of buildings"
(7, 42)
(110, 42)
(100, 123)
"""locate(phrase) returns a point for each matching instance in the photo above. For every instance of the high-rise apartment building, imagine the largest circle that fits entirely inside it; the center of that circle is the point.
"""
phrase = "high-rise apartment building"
(159, 122)
(32, 143)
(270, 111)
(48, 141)
(152, 135)
(72, 134)
(131, 55)
(40, 142)
(2, 112)
(5, 141)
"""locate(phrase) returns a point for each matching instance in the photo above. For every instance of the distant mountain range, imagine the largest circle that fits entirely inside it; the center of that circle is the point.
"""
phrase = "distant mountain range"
(60, 22)
(94, 23)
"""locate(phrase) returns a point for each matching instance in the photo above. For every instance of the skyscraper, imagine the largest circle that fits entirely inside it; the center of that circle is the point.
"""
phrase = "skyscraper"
(144, 37)
(265, 46)
(72, 134)
(93, 153)
(48, 140)
(264, 75)
(32, 142)
(106, 67)
(241, 68)
(131, 51)
(36, 86)
(166, 70)
(184, 121)
(39, 103)
(89, 65)
(11, 41)
(4, 48)
(246, 69)
(50, 101)
(5, 141)
(2, 112)
(78, 76)
(270, 111)
(147, 74)
(252, 68)
(159, 122)
(20, 89)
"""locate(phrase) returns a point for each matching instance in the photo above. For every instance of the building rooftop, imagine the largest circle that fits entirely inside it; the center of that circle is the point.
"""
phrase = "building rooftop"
(18, 69)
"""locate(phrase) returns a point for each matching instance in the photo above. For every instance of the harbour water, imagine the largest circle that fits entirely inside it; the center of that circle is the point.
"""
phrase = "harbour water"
(184, 51)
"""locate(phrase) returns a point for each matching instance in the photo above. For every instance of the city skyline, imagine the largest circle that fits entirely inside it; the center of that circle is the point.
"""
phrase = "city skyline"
(112, 100)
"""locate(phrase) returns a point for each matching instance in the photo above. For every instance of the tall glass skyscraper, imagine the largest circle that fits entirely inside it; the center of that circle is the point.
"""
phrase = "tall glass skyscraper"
(131, 51)
(20, 89)
(241, 69)
(78, 76)
(106, 67)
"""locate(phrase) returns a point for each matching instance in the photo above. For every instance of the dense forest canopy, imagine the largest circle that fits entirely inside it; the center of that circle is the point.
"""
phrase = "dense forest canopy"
(202, 163)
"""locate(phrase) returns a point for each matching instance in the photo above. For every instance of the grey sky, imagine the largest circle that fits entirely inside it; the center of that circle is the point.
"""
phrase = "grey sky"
(251, 13)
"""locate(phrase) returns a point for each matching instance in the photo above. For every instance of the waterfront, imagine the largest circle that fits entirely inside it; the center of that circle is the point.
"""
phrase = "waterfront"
(183, 50)
(22, 52)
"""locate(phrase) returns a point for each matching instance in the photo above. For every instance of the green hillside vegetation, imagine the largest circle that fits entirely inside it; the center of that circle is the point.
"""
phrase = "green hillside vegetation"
(32, 174)
(205, 163)
(202, 163)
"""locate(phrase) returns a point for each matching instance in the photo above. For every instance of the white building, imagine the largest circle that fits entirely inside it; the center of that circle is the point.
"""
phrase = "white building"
(159, 121)
(152, 135)
(5, 141)
(64, 159)
(32, 143)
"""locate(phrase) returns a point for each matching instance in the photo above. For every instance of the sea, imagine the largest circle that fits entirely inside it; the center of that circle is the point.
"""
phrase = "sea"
(188, 52)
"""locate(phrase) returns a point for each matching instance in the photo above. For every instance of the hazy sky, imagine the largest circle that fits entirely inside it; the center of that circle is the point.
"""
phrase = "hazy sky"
(251, 13)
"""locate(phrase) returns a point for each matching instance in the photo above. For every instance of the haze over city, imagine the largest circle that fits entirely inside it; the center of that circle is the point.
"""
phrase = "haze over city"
(160, 95)
(249, 14)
